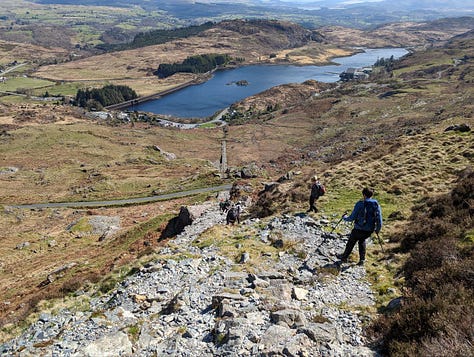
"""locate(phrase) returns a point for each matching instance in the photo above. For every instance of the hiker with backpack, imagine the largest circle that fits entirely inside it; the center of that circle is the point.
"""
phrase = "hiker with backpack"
(317, 190)
(367, 218)
(233, 214)
(224, 206)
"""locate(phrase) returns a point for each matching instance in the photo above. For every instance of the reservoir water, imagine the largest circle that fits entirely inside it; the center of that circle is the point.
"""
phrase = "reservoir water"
(203, 100)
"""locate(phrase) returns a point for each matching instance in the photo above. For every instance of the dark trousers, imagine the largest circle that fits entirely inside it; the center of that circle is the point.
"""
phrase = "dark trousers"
(312, 207)
(357, 236)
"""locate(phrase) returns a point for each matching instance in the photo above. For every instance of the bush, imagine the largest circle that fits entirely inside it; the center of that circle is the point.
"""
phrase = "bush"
(437, 316)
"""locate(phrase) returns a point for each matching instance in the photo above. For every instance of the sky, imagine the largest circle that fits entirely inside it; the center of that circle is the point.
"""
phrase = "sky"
(335, 1)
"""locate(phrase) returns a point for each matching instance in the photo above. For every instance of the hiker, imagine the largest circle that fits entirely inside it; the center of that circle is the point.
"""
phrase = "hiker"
(224, 205)
(317, 190)
(234, 214)
(367, 218)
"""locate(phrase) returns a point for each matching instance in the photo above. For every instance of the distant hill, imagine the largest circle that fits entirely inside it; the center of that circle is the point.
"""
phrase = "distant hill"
(118, 23)
(399, 33)
(309, 13)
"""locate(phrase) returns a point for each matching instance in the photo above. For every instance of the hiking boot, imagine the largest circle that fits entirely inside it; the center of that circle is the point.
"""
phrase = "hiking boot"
(361, 263)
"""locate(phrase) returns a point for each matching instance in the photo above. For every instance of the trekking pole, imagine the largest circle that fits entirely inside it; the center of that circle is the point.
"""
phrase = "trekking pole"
(380, 242)
(333, 228)
(326, 235)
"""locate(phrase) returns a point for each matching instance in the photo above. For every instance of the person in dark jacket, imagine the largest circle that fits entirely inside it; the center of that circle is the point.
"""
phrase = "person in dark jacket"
(233, 214)
(316, 191)
(367, 218)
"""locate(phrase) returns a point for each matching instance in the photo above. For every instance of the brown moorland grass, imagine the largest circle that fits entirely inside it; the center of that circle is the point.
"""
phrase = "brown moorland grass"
(436, 316)
(86, 160)
(135, 67)
(399, 33)
(21, 52)
(350, 136)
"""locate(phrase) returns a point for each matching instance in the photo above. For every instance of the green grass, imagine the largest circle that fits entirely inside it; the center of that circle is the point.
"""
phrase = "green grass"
(69, 89)
(233, 244)
(82, 226)
(126, 26)
(469, 237)
(134, 332)
(15, 83)
(208, 125)
(339, 200)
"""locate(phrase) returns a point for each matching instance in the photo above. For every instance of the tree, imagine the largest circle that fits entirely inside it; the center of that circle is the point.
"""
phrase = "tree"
(105, 96)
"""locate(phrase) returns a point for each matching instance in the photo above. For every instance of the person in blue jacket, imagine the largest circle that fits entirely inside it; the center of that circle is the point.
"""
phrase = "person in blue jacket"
(367, 218)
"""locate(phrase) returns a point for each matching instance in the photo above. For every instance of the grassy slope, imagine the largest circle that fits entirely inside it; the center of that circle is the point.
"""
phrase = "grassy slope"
(91, 162)
(349, 135)
(397, 144)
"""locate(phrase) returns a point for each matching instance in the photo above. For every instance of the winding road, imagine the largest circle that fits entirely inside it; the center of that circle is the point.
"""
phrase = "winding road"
(128, 201)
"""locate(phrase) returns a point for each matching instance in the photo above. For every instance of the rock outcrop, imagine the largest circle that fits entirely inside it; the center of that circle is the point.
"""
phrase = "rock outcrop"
(290, 301)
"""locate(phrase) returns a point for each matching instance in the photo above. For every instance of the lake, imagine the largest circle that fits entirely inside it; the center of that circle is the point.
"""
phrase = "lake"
(205, 99)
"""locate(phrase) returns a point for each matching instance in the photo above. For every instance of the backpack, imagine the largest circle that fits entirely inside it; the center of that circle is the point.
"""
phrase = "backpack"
(233, 214)
(370, 216)
(322, 189)
(318, 190)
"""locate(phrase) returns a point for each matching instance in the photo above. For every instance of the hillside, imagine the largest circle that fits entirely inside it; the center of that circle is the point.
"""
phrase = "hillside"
(388, 133)
(404, 34)
(196, 296)
(14, 51)
(425, 89)
(253, 41)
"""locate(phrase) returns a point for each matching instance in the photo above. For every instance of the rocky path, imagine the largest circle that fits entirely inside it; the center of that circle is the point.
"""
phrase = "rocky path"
(198, 302)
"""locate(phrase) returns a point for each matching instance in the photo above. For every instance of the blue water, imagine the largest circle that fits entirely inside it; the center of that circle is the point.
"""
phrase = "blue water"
(220, 91)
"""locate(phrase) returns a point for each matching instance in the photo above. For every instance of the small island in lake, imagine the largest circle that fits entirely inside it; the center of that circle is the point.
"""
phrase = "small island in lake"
(241, 83)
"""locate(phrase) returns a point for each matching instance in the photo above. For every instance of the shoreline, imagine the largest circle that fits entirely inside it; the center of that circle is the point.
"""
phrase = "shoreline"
(157, 95)
(206, 76)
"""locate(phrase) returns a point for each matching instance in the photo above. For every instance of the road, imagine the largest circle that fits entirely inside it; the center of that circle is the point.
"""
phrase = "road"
(129, 201)
(217, 120)
(13, 68)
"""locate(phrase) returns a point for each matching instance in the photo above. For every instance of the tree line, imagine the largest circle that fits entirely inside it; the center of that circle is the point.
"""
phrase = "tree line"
(102, 97)
(194, 64)
(156, 37)
(385, 62)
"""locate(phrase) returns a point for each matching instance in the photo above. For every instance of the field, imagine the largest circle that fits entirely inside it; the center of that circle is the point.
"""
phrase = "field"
(17, 84)
(85, 24)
